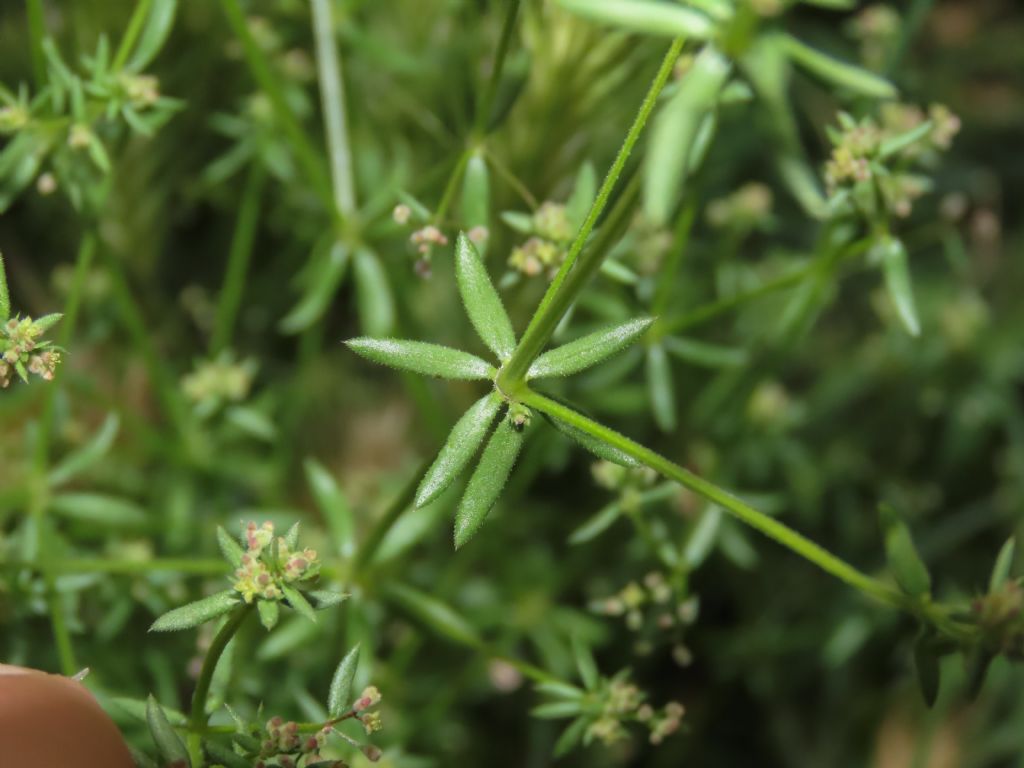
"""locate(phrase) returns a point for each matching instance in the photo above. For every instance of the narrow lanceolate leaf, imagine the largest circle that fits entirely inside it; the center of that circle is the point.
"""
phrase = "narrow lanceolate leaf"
(375, 303)
(600, 449)
(168, 744)
(487, 481)
(839, 72)
(297, 601)
(483, 305)
(292, 537)
(462, 444)
(601, 521)
(435, 614)
(270, 612)
(927, 667)
(229, 547)
(320, 289)
(99, 509)
(46, 322)
(339, 697)
(154, 34)
(898, 283)
(333, 506)
(896, 144)
(86, 456)
(421, 357)
(1004, 564)
(583, 193)
(649, 16)
(199, 612)
(571, 736)
(675, 131)
(906, 564)
(660, 387)
(589, 350)
(476, 192)
(5, 297)
(585, 664)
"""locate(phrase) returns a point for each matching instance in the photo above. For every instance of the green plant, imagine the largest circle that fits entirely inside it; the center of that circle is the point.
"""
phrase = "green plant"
(797, 283)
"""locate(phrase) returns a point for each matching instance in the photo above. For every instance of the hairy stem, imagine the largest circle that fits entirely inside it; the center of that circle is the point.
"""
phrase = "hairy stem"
(770, 527)
(558, 298)
(197, 717)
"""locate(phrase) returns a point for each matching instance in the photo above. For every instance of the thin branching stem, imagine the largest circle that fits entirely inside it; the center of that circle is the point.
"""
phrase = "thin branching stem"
(769, 526)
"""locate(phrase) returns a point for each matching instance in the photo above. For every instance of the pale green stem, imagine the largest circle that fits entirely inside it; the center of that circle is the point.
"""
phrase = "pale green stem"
(332, 94)
(557, 301)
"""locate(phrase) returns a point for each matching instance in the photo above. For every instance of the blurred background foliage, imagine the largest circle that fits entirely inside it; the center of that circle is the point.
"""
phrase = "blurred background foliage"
(776, 664)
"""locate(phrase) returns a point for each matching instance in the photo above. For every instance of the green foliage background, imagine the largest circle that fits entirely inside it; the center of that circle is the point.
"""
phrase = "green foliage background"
(790, 668)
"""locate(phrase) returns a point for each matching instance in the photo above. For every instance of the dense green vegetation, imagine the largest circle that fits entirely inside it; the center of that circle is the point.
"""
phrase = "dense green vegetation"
(698, 437)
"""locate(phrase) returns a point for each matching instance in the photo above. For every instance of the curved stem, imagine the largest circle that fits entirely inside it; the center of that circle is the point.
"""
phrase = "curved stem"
(197, 717)
(770, 527)
(557, 300)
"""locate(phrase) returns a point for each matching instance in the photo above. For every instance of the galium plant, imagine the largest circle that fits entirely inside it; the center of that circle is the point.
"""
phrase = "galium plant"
(683, 298)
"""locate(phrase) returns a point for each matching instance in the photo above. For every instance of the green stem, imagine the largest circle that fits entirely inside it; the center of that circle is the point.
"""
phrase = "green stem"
(483, 109)
(36, 33)
(305, 151)
(197, 718)
(332, 93)
(556, 300)
(770, 527)
(131, 34)
(238, 260)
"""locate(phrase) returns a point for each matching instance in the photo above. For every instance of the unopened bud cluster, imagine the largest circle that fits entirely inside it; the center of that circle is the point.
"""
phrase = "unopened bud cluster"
(657, 611)
(284, 746)
(23, 352)
(1000, 615)
(222, 380)
(546, 249)
(858, 158)
(623, 702)
(269, 563)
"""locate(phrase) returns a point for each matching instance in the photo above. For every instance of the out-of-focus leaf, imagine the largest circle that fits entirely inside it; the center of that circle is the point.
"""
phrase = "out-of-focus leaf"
(229, 547)
(297, 601)
(908, 569)
(321, 288)
(582, 197)
(476, 192)
(87, 455)
(168, 743)
(375, 303)
(675, 130)
(928, 669)
(333, 505)
(838, 72)
(270, 612)
(435, 614)
(99, 509)
(660, 388)
(898, 283)
(649, 16)
(158, 27)
(585, 664)
(1003, 565)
